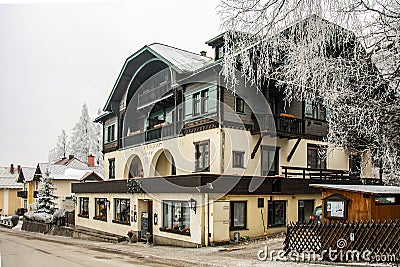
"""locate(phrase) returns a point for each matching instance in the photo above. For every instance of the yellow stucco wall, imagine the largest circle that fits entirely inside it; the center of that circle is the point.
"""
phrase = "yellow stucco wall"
(257, 218)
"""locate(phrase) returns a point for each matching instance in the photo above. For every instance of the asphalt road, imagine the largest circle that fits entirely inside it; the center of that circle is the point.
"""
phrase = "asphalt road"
(17, 249)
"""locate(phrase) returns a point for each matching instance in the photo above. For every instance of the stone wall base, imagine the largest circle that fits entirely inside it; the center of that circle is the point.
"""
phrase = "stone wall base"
(166, 241)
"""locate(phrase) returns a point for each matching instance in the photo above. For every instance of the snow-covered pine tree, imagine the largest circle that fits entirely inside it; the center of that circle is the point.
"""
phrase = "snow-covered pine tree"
(83, 134)
(45, 195)
(60, 151)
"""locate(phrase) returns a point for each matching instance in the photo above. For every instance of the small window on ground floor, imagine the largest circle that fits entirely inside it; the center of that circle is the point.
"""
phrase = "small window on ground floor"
(238, 215)
(176, 216)
(100, 209)
(84, 207)
(276, 213)
(122, 210)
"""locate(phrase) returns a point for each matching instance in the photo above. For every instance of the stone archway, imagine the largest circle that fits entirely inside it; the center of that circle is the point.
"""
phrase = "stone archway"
(134, 167)
(163, 164)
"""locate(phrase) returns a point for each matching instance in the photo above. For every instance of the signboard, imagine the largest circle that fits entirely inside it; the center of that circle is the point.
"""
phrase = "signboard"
(335, 207)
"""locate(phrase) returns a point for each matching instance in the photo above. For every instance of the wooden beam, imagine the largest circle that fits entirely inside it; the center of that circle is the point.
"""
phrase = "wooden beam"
(293, 149)
(255, 149)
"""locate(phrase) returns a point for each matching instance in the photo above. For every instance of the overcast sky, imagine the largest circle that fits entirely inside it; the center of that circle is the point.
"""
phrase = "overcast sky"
(55, 56)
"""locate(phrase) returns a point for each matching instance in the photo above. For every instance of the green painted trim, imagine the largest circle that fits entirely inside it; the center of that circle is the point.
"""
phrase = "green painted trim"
(127, 61)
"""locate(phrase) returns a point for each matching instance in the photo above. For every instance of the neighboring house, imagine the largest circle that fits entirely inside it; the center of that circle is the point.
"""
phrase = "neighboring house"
(62, 172)
(9, 189)
(29, 186)
(205, 139)
(359, 202)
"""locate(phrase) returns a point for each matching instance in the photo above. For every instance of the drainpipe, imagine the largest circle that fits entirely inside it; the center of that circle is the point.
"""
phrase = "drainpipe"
(206, 228)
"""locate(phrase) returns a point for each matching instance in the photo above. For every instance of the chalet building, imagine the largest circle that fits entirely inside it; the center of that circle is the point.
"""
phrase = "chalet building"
(192, 161)
(62, 172)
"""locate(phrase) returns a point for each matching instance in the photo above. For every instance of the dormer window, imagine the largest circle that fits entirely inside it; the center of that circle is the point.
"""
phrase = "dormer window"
(219, 52)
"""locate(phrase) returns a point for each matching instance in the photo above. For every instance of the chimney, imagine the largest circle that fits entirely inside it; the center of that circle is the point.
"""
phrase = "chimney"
(19, 168)
(70, 157)
(90, 160)
(12, 168)
(203, 53)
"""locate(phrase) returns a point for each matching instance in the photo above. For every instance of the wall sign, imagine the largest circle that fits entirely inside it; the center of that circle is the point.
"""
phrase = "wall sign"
(336, 207)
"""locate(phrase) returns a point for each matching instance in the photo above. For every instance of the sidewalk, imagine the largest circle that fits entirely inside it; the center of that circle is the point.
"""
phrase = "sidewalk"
(231, 255)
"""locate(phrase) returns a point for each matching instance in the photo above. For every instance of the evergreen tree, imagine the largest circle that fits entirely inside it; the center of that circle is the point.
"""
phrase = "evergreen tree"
(60, 151)
(83, 133)
(45, 196)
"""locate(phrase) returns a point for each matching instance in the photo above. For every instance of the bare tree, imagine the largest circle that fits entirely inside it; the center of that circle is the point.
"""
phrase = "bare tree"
(344, 53)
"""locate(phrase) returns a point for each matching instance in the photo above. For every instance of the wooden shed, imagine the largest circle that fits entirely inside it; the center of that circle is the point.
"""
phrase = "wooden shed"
(359, 202)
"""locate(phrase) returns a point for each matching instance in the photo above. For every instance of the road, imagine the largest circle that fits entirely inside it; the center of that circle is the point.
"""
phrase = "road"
(19, 249)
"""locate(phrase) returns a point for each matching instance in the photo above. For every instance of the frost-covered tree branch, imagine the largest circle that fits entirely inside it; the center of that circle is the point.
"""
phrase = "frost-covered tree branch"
(345, 53)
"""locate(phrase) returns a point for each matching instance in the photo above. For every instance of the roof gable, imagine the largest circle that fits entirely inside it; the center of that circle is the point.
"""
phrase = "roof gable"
(177, 59)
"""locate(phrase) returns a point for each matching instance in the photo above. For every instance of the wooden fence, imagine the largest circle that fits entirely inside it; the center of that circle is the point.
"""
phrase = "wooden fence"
(359, 241)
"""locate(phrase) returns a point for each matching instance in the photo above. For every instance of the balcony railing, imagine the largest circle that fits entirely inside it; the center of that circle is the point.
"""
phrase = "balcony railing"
(281, 124)
(157, 133)
(22, 194)
(326, 174)
(151, 95)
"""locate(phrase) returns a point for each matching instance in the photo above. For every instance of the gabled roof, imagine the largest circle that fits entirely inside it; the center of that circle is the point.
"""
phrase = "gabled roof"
(75, 175)
(180, 60)
(26, 174)
(62, 172)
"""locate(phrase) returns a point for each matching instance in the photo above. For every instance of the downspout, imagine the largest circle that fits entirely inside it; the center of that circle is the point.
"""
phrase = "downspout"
(206, 220)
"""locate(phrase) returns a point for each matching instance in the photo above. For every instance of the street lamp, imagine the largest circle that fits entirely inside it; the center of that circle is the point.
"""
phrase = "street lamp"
(192, 204)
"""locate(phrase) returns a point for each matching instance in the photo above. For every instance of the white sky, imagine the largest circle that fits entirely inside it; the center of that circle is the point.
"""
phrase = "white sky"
(56, 55)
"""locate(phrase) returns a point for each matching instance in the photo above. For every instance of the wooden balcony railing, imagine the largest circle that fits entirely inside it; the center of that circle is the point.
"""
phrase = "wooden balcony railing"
(22, 194)
(164, 131)
(281, 124)
(151, 95)
(325, 174)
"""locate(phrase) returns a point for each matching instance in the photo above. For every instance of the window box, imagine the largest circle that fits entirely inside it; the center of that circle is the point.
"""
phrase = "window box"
(121, 222)
(100, 218)
(84, 216)
(179, 232)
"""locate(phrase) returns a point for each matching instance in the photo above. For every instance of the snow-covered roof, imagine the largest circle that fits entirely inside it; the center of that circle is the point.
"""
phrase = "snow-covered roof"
(183, 60)
(368, 189)
(28, 173)
(5, 172)
(9, 183)
(8, 180)
(74, 174)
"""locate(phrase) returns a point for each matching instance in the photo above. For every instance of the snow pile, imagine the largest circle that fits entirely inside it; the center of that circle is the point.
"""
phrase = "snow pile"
(39, 216)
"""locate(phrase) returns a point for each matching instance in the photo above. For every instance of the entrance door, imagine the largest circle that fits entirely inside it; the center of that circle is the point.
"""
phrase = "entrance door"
(147, 221)
(305, 209)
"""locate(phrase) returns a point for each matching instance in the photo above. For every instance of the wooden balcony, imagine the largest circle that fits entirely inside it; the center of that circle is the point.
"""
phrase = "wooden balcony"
(159, 132)
(283, 125)
(155, 94)
(325, 174)
(22, 194)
